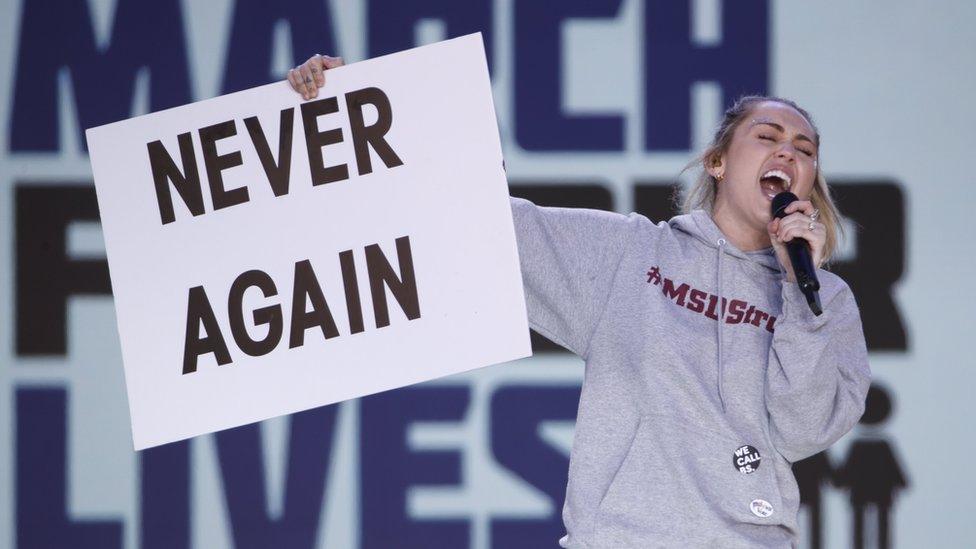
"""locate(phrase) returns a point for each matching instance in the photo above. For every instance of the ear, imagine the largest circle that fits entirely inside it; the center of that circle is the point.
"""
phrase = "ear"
(715, 166)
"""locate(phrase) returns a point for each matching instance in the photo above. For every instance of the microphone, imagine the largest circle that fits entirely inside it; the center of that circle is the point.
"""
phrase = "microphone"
(799, 252)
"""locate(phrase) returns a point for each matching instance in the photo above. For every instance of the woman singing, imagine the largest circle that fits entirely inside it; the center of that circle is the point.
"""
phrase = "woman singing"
(707, 374)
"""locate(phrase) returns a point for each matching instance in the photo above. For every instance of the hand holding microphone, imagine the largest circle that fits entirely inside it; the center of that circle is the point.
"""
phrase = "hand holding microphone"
(798, 235)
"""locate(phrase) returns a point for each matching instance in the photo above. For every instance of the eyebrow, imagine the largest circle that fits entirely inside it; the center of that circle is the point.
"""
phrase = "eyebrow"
(799, 136)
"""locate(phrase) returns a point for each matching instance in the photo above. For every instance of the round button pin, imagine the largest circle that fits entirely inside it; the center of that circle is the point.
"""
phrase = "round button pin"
(761, 508)
(746, 459)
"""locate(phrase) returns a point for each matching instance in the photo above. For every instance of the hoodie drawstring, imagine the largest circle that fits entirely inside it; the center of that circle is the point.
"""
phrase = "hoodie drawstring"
(763, 263)
(721, 320)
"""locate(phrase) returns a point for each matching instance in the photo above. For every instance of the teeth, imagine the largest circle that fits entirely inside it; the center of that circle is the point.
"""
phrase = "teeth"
(780, 174)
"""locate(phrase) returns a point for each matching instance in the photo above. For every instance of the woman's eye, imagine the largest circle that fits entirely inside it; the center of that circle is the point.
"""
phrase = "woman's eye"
(769, 138)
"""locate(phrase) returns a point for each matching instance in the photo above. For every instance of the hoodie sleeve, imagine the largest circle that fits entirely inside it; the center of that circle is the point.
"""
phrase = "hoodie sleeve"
(569, 258)
(818, 375)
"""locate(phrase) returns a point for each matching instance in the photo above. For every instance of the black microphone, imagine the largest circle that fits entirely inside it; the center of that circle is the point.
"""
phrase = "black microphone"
(799, 252)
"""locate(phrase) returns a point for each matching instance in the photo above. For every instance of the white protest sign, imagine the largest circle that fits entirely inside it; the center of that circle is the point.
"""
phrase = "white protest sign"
(270, 255)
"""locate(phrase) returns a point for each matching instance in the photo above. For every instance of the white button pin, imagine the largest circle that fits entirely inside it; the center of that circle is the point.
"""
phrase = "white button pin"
(761, 508)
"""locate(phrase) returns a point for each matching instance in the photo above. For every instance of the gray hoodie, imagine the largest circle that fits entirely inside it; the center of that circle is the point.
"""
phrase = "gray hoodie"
(687, 426)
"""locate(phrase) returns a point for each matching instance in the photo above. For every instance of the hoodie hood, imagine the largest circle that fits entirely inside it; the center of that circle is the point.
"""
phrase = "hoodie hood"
(700, 225)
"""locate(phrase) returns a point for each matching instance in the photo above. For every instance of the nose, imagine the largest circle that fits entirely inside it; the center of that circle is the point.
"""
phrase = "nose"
(786, 151)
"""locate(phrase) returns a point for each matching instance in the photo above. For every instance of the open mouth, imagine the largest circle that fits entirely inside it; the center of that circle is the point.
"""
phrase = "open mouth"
(774, 182)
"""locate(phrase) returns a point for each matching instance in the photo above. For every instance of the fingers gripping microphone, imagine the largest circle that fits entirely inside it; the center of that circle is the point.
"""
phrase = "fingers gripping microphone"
(799, 252)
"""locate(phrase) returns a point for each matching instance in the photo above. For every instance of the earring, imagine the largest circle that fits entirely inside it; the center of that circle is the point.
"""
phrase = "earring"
(719, 177)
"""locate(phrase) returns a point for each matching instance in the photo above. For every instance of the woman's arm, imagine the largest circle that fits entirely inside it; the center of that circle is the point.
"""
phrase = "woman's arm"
(569, 258)
(818, 374)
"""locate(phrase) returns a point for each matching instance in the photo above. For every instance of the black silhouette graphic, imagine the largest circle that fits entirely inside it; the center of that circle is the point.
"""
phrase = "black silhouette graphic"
(871, 471)
(811, 474)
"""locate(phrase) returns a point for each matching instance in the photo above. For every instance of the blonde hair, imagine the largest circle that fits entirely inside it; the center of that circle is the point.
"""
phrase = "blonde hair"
(703, 191)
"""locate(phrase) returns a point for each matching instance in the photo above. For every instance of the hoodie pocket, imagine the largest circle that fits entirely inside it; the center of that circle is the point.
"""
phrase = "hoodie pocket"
(681, 482)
